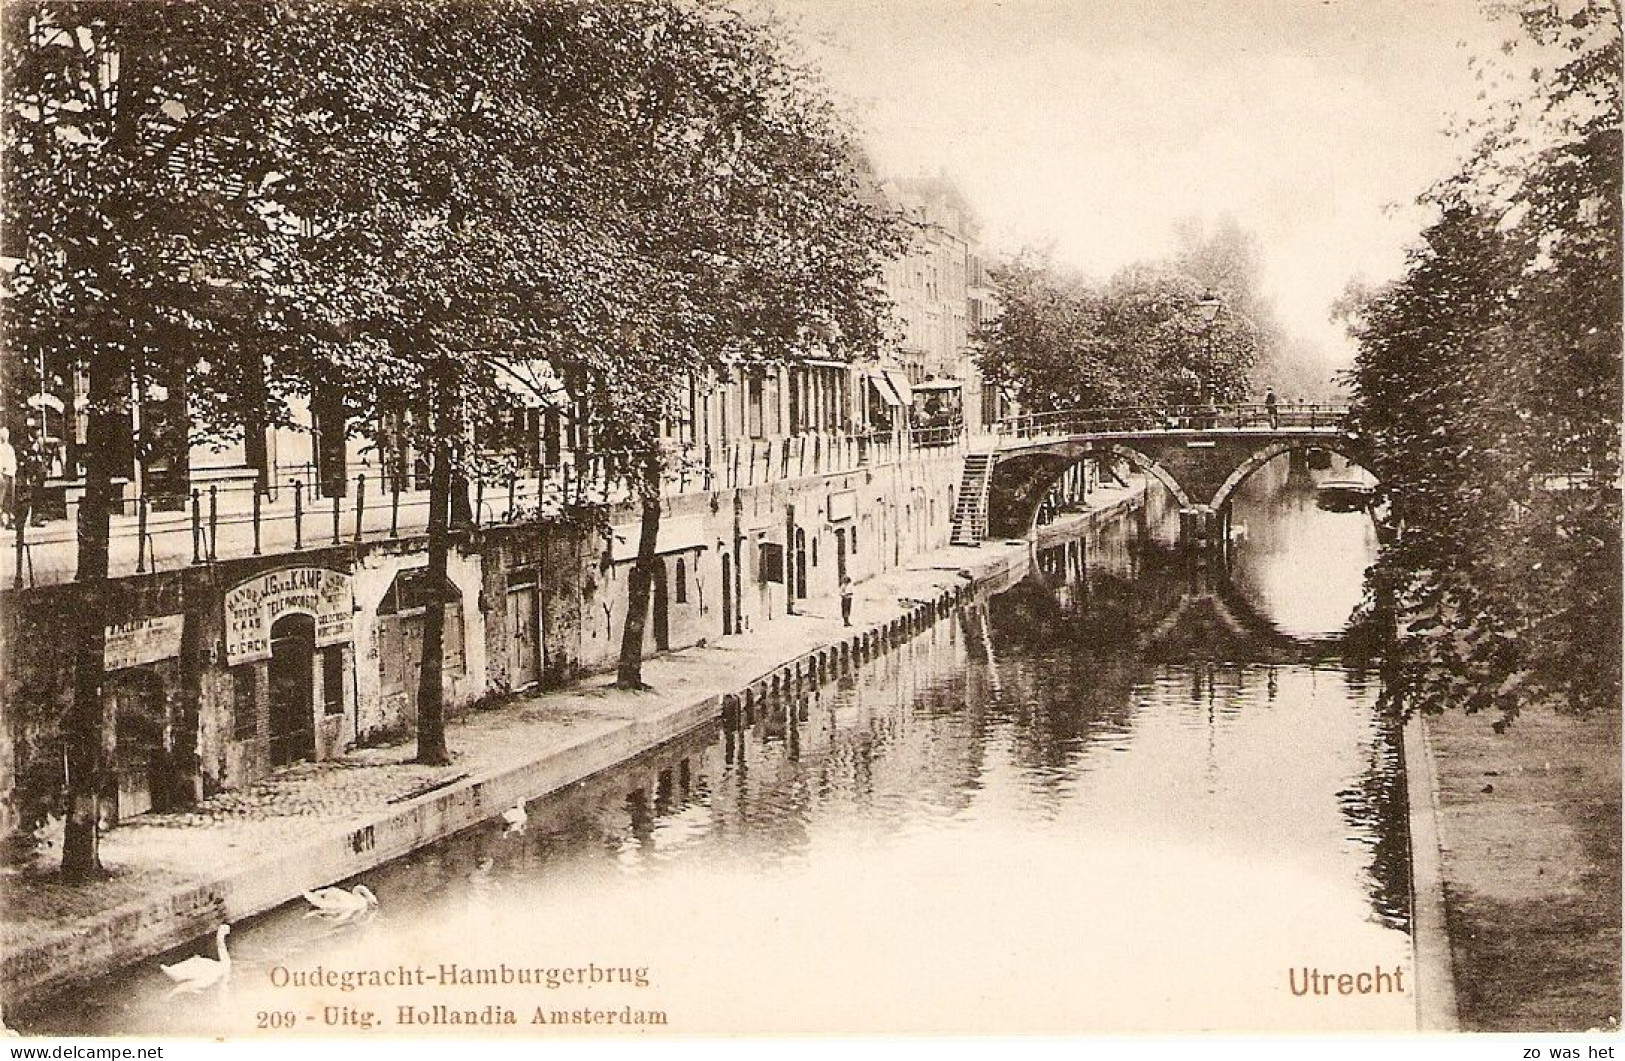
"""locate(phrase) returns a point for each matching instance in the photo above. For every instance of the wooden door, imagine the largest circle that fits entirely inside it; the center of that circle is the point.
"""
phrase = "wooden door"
(139, 739)
(523, 639)
(293, 709)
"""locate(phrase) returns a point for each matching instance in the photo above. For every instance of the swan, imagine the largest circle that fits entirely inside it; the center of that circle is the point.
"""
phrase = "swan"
(345, 904)
(516, 818)
(197, 972)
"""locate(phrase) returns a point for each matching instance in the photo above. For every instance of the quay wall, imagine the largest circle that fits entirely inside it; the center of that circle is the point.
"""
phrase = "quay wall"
(139, 930)
(145, 928)
(198, 683)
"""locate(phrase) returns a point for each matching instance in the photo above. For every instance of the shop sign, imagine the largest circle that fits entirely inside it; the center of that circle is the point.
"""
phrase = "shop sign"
(254, 606)
(843, 505)
(142, 641)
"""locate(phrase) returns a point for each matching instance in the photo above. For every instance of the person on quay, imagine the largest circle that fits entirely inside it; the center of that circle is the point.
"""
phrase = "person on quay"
(8, 478)
(846, 600)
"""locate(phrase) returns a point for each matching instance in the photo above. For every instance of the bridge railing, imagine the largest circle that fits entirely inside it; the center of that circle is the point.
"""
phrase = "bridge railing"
(1172, 418)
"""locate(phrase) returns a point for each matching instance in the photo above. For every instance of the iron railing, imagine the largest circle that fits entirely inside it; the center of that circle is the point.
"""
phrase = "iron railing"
(1174, 418)
(303, 509)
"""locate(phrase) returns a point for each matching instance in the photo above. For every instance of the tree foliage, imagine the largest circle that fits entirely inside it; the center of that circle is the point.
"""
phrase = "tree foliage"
(131, 222)
(1229, 259)
(1062, 342)
(408, 204)
(1488, 392)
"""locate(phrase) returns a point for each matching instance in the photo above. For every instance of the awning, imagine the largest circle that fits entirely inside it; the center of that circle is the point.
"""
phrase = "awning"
(899, 382)
(940, 385)
(676, 536)
(884, 388)
(535, 384)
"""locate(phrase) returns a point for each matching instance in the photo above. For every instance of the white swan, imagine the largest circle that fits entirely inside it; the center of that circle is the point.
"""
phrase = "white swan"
(341, 903)
(516, 818)
(197, 972)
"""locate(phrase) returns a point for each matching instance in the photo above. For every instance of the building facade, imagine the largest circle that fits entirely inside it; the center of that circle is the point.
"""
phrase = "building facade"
(268, 590)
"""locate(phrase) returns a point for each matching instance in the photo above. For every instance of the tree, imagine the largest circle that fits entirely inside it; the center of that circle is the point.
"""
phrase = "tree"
(416, 274)
(755, 243)
(133, 217)
(660, 197)
(1488, 391)
(1062, 342)
(1229, 260)
(391, 205)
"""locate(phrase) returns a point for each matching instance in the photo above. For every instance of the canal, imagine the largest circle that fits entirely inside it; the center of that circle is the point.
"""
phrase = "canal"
(1127, 794)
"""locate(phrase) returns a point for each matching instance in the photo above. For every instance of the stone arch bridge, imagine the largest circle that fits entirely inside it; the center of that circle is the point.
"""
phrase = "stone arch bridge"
(1200, 454)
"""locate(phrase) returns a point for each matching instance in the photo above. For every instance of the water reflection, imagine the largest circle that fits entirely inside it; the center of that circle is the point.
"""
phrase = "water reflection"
(1110, 799)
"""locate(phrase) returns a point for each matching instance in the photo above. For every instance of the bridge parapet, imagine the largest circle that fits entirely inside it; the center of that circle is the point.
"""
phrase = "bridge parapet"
(1200, 453)
(1139, 420)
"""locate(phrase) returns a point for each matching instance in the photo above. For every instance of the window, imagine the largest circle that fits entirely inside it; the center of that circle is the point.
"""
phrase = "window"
(990, 403)
(245, 715)
(333, 680)
(328, 426)
(753, 408)
(400, 630)
(451, 641)
(770, 562)
(682, 581)
(854, 539)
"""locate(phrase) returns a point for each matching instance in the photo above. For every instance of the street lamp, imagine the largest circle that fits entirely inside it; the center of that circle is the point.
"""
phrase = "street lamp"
(1208, 306)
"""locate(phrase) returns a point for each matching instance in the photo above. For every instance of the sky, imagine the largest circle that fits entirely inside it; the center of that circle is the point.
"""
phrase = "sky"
(1093, 126)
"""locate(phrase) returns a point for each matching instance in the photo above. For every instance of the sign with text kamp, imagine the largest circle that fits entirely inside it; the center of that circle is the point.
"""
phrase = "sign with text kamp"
(254, 606)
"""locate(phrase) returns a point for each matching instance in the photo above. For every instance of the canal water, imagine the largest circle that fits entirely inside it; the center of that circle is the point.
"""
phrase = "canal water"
(1125, 795)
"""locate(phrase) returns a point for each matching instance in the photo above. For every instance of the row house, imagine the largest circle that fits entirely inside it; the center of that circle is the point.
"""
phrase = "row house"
(269, 608)
(942, 296)
(268, 586)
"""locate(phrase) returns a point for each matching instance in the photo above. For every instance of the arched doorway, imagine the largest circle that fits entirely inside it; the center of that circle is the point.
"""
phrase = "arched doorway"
(739, 585)
(662, 610)
(292, 681)
(800, 572)
(727, 594)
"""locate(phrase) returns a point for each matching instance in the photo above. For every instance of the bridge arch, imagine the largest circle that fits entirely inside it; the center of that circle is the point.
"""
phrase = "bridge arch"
(1269, 451)
(1152, 467)
(1022, 481)
(1201, 461)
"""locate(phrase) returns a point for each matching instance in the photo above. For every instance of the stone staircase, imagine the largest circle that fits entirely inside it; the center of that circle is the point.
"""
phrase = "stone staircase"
(970, 510)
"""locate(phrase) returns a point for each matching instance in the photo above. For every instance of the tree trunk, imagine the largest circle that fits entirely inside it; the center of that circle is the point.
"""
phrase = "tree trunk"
(629, 675)
(86, 725)
(431, 690)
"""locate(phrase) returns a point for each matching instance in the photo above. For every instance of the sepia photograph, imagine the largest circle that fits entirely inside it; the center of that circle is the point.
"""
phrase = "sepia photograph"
(601, 520)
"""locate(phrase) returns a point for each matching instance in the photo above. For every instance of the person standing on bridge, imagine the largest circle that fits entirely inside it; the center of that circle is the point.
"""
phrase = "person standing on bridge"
(1269, 406)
